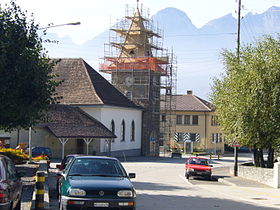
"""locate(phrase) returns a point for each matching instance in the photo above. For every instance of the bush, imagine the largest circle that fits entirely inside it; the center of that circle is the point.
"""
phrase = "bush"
(41, 157)
(15, 155)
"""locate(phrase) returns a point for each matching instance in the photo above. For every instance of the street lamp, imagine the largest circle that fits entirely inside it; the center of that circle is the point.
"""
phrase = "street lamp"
(30, 129)
(65, 24)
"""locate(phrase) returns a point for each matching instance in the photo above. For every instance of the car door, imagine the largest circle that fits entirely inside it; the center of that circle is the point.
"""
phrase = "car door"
(13, 181)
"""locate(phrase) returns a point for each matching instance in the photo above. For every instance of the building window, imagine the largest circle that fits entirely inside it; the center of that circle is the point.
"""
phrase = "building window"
(132, 138)
(214, 121)
(217, 138)
(195, 120)
(123, 131)
(113, 129)
(179, 137)
(179, 119)
(194, 137)
(187, 119)
(163, 118)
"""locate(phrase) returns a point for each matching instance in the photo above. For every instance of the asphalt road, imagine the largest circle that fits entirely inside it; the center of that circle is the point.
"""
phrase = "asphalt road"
(161, 185)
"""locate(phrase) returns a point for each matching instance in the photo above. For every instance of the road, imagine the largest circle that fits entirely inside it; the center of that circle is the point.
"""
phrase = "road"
(161, 185)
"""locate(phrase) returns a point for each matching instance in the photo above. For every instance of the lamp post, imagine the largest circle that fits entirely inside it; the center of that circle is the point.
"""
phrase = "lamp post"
(29, 145)
(30, 129)
(64, 24)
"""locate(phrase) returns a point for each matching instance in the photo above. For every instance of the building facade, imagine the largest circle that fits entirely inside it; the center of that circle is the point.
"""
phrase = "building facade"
(197, 128)
(85, 89)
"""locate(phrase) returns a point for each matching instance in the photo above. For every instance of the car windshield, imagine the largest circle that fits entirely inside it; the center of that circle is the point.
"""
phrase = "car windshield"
(198, 161)
(96, 167)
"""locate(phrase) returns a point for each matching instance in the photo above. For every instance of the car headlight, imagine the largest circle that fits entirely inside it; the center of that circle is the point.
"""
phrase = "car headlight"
(191, 169)
(125, 193)
(77, 192)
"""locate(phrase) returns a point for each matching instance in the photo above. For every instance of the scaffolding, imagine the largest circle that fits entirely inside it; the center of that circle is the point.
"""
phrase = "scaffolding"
(168, 105)
(140, 67)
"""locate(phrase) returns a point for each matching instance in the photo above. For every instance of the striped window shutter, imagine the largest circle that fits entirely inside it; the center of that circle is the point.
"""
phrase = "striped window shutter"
(186, 136)
(176, 137)
(197, 137)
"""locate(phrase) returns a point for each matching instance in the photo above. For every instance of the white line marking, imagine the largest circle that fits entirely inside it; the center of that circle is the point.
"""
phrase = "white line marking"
(186, 180)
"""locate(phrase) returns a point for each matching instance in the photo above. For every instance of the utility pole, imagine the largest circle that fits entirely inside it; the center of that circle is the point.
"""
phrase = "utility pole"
(238, 29)
(238, 58)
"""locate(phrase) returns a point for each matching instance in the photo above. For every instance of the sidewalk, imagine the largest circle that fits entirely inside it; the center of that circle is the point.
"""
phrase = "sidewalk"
(250, 191)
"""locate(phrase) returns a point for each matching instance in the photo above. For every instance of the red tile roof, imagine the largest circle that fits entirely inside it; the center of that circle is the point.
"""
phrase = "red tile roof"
(189, 102)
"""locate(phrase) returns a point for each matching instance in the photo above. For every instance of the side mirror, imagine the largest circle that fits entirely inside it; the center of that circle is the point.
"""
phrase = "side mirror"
(59, 173)
(211, 165)
(58, 166)
(132, 175)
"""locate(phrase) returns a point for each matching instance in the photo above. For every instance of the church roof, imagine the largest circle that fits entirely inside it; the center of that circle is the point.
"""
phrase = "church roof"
(82, 85)
(65, 121)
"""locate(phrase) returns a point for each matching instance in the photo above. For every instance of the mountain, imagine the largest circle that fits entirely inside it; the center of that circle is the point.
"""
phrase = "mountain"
(197, 49)
(174, 21)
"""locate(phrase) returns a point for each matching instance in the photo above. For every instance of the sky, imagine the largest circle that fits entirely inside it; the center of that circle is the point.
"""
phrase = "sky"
(98, 15)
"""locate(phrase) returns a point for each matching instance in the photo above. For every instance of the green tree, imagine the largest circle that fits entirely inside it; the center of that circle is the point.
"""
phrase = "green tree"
(27, 85)
(247, 97)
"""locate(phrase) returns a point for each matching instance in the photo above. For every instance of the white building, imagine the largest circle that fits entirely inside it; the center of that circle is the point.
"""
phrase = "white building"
(85, 88)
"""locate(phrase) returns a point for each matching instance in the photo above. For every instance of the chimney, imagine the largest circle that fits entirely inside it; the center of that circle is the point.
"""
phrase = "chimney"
(189, 92)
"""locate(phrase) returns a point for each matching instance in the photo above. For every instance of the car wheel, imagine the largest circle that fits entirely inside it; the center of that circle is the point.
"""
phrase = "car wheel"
(187, 175)
(209, 178)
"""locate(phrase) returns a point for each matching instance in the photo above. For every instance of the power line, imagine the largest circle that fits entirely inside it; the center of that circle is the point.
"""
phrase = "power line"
(214, 34)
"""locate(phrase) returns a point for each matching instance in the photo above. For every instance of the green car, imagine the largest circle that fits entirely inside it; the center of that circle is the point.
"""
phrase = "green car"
(91, 182)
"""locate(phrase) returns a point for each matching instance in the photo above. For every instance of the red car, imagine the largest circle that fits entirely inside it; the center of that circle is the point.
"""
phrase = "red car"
(198, 167)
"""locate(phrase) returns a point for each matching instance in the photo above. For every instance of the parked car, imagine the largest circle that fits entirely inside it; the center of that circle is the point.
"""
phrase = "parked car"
(63, 164)
(10, 185)
(36, 151)
(198, 167)
(96, 182)
(65, 161)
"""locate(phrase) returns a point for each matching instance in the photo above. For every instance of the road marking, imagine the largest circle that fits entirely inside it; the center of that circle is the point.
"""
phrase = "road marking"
(185, 180)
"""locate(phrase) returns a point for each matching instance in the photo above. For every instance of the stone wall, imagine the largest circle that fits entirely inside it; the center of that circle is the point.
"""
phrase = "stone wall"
(262, 175)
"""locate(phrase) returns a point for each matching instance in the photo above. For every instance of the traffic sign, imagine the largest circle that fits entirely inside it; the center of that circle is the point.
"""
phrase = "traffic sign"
(235, 144)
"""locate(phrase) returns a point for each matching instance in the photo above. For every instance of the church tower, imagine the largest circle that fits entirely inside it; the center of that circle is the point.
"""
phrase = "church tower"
(136, 62)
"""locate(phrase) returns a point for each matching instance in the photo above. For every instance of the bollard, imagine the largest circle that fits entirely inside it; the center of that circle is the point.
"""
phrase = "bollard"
(40, 182)
(210, 155)
(218, 156)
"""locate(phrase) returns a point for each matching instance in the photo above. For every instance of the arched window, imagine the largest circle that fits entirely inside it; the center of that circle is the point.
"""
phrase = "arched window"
(123, 131)
(132, 132)
(113, 129)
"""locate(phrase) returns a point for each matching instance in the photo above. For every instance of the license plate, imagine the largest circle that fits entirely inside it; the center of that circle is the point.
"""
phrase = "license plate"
(101, 204)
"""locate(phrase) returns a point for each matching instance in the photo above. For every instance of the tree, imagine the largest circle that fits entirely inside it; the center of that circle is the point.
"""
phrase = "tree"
(27, 85)
(247, 97)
